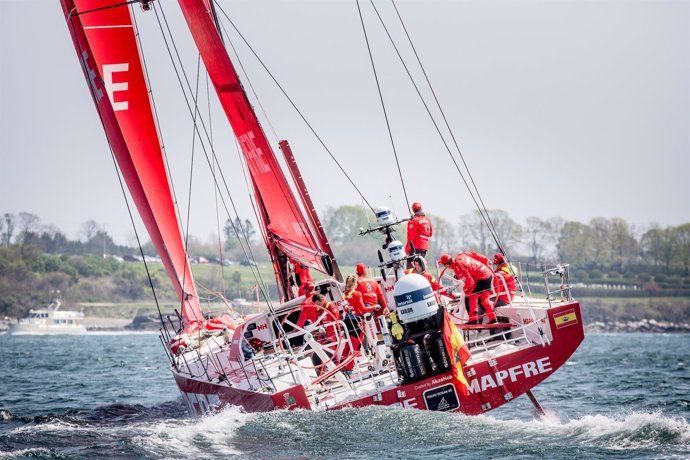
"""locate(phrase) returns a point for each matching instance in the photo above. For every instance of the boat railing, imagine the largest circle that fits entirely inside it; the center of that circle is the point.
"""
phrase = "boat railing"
(515, 335)
(328, 340)
(561, 273)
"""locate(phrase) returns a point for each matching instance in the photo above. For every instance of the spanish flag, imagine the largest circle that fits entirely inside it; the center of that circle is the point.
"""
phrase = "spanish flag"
(458, 352)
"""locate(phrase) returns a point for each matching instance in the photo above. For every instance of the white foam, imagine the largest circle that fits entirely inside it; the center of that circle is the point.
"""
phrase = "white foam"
(633, 430)
(24, 453)
(191, 437)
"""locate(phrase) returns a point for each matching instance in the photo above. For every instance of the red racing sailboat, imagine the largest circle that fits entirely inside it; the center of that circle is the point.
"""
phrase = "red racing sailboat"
(423, 356)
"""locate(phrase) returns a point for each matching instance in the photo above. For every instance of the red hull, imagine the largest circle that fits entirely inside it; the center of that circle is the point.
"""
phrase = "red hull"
(493, 382)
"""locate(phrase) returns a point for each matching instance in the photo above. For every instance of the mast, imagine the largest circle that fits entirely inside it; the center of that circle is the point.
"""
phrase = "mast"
(108, 51)
(309, 205)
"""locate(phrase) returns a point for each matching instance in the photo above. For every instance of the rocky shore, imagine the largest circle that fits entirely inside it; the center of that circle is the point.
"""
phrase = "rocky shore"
(643, 325)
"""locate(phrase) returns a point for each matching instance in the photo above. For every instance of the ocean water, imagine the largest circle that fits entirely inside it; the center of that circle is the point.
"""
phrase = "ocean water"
(94, 396)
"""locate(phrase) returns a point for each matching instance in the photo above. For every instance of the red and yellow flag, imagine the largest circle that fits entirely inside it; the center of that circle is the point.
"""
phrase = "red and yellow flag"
(458, 352)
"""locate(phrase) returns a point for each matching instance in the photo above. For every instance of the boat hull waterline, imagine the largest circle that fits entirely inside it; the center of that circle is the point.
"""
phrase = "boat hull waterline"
(491, 383)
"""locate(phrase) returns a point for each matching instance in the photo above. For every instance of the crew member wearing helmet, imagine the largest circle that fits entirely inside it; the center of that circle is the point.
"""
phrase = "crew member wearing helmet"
(419, 230)
(372, 295)
(477, 278)
(504, 278)
(419, 268)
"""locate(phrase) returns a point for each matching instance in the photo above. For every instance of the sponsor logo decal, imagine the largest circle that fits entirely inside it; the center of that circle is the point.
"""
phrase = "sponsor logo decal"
(441, 398)
(289, 399)
(528, 369)
(567, 318)
(414, 297)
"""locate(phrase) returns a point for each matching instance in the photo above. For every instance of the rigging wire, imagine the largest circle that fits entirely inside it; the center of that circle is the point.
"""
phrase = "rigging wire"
(191, 166)
(212, 164)
(162, 147)
(383, 104)
(481, 208)
(490, 224)
(294, 106)
(315, 247)
(215, 191)
(117, 171)
(249, 82)
(246, 249)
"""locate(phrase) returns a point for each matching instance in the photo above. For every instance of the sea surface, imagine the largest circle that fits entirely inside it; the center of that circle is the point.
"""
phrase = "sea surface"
(94, 396)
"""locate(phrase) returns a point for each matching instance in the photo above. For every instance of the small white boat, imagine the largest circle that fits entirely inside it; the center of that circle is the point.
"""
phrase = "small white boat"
(49, 321)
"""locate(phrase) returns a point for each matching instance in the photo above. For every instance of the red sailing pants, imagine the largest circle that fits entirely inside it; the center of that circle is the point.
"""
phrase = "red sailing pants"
(480, 294)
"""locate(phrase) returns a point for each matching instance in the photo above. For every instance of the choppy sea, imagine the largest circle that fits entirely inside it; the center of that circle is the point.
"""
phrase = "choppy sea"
(94, 396)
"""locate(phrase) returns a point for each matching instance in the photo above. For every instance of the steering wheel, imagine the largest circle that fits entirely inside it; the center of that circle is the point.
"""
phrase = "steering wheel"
(308, 334)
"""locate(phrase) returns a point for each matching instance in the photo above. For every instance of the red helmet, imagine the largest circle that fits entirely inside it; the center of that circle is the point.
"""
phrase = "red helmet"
(416, 206)
(361, 269)
(445, 259)
(308, 286)
(499, 258)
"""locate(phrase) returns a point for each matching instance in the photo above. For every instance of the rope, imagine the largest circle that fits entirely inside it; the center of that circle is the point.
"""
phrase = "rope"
(117, 171)
(295, 107)
(383, 105)
(163, 149)
(191, 166)
(482, 209)
(246, 250)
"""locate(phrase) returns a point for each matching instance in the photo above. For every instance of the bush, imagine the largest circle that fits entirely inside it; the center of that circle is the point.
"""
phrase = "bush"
(579, 275)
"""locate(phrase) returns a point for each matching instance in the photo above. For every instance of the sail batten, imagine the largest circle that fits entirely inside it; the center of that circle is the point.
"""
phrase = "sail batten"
(116, 78)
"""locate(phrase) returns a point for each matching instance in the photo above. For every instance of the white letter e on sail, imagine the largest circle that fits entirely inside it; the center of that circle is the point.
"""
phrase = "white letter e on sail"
(110, 87)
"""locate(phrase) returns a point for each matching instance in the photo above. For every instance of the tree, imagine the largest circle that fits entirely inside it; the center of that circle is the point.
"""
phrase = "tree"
(343, 223)
(651, 244)
(249, 230)
(89, 229)
(576, 245)
(9, 229)
(624, 246)
(443, 239)
(475, 234)
(536, 234)
(27, 224)
(600, 254)
(683, 237)
(342, 226)
(669, 247)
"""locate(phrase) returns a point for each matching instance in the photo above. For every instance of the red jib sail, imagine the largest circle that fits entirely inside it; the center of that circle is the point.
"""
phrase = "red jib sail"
(288, 231)
(104, 38)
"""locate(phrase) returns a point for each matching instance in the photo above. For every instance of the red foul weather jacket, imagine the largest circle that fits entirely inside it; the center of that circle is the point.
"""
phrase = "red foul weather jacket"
(419, 230)
(371, 292)
(470, 270)
(354, 298)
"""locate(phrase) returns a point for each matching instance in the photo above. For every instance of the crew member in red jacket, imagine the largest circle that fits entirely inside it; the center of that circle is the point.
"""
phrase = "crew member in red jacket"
(478, 279)
(504, 273)
(353, 319)
(419, 268)
(372, 295)
(419, 230)
(306, 288)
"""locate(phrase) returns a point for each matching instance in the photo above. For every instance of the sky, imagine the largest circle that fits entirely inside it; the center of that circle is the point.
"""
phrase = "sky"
(578, 109)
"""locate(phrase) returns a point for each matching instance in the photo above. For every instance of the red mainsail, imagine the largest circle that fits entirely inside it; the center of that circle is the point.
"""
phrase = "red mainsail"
(104, 38)
(287, 228)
